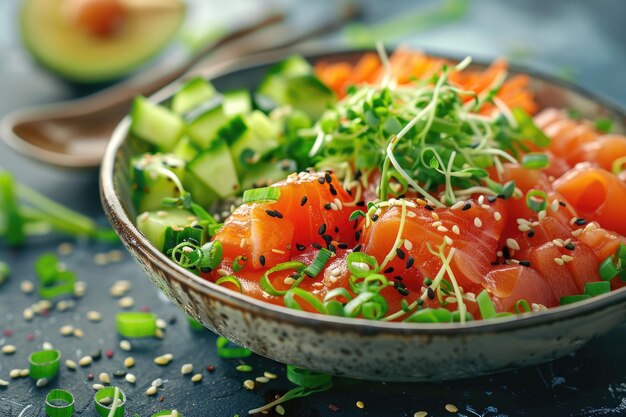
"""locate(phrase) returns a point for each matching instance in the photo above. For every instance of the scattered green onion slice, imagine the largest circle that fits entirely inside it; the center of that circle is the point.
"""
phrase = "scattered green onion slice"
(372, 305)
(194, 324)
(354, 261)
(44, 364)
(596, 288)
(224, 350)
(604, 125)
(54, 408)
(266, 284)
(535, 160)
(319, 263)
(265, 195)
(522, 306)
(536, 200)
(238, 263)
(230, 279)
(64, 285)
(46, 268)
(167, 413)
(136, 324)
(211, 255)
(485, 305)
(508, 189)
(306, 378)
(569, 299)
(244, 368)
(614, 264)
(291, 302)
(619, 165)
(430, 315)
(116, 408)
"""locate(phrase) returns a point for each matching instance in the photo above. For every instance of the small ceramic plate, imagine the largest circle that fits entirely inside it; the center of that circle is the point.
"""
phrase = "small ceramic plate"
(354, 347)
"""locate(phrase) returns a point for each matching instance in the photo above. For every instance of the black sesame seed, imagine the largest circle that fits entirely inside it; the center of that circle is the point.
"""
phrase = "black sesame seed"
(342, 245)
(360, 203)
(328, 178)
(205, 269)
(327, 206)
(492, 198)
(409, 262)
(278, 214)
(420, 302)
(327, 238)
(303, 200)
(321, 180)
(322, 229)
(431, 293)
(524, 263)
(97, 355)
(466, 206)
(357, 248)
(501, 196)
(506, 253)
(580, 221)
(375, 217)
(397, 278)
(300, 247)
(336, 229)
(262, 260)
(428, 207)
(403, 291)
(119, 373)
(316, 245)
(562, 204)
(357, 235)
(270, 213)
(332, 190)
(400, 253)
(531, 233)
(388, 270)
(357, 174)
(570, 246)
(331, 248)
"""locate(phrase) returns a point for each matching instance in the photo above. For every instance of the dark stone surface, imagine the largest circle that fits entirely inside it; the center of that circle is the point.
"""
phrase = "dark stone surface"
(579, 39)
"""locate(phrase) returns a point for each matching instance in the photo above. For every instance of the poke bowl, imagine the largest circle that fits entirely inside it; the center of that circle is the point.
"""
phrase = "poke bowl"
(364, 347)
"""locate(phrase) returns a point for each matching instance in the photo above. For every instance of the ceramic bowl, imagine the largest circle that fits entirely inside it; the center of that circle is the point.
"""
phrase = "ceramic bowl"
(354, 347)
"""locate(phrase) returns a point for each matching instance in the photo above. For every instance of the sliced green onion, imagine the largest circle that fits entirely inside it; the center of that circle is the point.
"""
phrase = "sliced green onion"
(356, 262)
(194, 324)
(604, 125)
(291, 302)
(211, 255)
(47, 268)
(266, 284)
(265, 195)
(430, 315)
(53, 280)
(569, 299)
(373, 305)
(305, 378)
(528, 128)
(44, 364)
(230, 279)
(167, 413)
(238, 263)
(535, 160)
(136, 324)
(522, 306)
(371, 283)
(536, 200)
(59, 403)
(485, 305)
(116, 408)
(613, 264)
(456, 316)
(244, 368)
(597, 288)
(319, 263)
(508, 189)
(619, 165)
(228, 350)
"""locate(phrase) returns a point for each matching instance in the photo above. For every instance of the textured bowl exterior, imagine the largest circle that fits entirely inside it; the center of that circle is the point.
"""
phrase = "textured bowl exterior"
(352, 347)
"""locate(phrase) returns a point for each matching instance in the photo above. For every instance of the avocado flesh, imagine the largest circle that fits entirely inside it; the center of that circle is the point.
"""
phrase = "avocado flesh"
(76, 55)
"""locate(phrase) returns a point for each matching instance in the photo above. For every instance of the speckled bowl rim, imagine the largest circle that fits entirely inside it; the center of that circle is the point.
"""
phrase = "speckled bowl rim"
(125, 228)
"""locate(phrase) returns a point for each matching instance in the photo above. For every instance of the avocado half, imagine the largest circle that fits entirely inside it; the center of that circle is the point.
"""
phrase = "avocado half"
(79, 56)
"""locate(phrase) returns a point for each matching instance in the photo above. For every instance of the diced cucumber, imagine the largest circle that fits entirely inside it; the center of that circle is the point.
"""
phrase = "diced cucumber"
(237, 102)
(263, 126)
(195, 92)
(200, 192)
(157, 225)
(204, 122)
(215, 168)
(149, 184)
(155, 124)
(185, 149)
(266, 173)
(292, 82)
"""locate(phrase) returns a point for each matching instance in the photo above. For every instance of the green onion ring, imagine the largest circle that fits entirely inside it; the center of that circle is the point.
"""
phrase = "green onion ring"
(536, 200)
(110, 410)
(359, 257)
(232, 279)
(44, 364)
(306, 378)
(167, 413)
(136, 324)
(226, 352)
(522, 306)
(485, 305)
(266, 284)
(194, 324)
(54, 410)
(265, 195)
(290, 300)
(535, 160)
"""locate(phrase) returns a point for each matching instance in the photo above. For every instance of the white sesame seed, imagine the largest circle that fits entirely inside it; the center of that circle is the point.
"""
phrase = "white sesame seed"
(408, 245)
(451, 408)
(125, 345)
(497, 216)
(157, 382)
(80, 288)
(248, 384)
(420, 414)
(577, 232)
(196, 378)
(278, 251)
(567, 258)
(27, 286)
(15, 373)
(522, 221)
(41, 382)
(161, 360)
(222, 272)
(289, 281)
(558, 242)
(512, 244)
(129, 362)
(457, 205)
(541, 215)
(65, 248)
(554, 206)
(4, 383)
(338, 203)
(8, 349)
(28, 314)
(411, 214)
(85, 361)
(24, 372)
(270, 375)
(70, 364)
(434, 215)
(360, 404)
(66, 330)
(126, 302)
(78, 333)
(161, 324)
(47, 346)
(559, 261)
(437, 224)
(130, 378)
(104, 378)
(151, 391)
(477, 222)
(262, 379)
(448, 240)
(442, 229)
(186, 369)
(485, 206)
(334, 207)
(97, 387)
(456, 230)
(523, 228)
